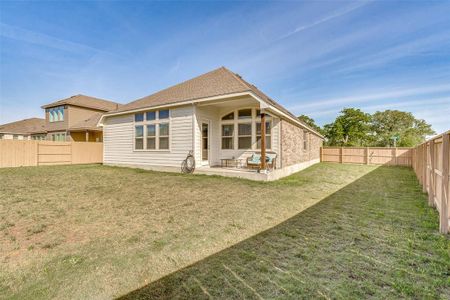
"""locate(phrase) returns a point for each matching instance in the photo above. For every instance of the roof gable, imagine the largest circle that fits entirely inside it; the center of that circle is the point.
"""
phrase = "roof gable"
(219, 82)
(215, 83)
(88, 123)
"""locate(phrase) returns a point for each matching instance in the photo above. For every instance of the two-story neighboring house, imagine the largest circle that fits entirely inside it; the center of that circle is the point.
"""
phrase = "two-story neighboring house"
(75, 118)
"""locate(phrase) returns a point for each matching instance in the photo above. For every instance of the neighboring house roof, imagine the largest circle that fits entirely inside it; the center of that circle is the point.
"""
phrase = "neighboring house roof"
(26, 126)
(86, 101)
(88, 124)
(219, 82)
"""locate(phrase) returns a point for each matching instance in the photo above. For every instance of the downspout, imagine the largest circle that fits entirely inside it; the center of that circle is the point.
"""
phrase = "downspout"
(280, 137)
(263, 140)
(194, 116)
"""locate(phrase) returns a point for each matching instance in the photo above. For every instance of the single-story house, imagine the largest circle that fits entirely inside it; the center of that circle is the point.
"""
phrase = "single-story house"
(218, 117)
(27, 129)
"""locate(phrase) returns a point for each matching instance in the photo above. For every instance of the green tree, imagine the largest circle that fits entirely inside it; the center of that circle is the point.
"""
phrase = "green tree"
(351, 128)
(403, 125)
(310, 122)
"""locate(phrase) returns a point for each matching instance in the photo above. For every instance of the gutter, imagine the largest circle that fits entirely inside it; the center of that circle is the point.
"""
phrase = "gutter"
(271, 107)
(192, 102)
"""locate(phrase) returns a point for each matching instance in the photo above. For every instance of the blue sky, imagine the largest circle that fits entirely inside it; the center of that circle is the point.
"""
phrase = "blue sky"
(313, 57)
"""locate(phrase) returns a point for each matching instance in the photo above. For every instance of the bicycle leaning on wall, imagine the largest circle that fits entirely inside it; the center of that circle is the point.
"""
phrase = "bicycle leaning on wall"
(188, 165)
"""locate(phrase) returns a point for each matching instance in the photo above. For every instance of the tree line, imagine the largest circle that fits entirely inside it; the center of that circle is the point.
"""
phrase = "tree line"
(389, 128)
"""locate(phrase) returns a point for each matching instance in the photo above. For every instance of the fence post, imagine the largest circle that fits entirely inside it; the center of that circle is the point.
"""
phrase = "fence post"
(395, 156)
(425, 167)
(71, 151)
(444, 214)
(36, 151)
(321, 154)
(340, 155)
(367, 155)
(419, 164)
(431, 188)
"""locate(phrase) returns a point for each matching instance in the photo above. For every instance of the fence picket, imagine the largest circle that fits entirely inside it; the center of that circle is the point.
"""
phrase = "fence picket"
(430, 162)
(17, 153)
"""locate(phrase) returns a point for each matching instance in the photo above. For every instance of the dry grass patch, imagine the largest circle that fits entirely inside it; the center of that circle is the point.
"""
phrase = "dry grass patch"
(96, 232)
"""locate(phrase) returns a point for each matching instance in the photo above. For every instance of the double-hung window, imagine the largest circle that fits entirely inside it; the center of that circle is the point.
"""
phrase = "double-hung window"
(227, 136)
(163, 114)
(139, 137)
(163, 136)
(149, 116)
(245, 129)
(228, 131)
(151, 137)
(244, 135)
(139, 117)
(152, 130)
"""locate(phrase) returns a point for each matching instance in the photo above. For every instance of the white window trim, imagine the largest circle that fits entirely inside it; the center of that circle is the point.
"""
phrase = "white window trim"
(236, 121)
(251, 136)
(227, 136)
(156, 122)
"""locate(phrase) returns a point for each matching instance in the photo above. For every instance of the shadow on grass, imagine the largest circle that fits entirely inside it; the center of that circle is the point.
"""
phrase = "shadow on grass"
(376, 237)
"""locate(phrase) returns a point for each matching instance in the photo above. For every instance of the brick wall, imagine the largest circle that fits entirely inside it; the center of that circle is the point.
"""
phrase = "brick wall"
(292, 147)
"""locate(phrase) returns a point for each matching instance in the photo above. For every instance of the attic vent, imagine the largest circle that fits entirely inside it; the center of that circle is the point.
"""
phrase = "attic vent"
(238, 75)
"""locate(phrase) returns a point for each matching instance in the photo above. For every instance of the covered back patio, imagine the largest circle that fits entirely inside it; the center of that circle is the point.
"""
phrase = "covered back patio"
(229, 136)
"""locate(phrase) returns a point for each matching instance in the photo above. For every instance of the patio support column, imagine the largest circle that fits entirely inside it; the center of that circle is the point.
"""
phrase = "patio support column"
(263, 140)
(87, 136)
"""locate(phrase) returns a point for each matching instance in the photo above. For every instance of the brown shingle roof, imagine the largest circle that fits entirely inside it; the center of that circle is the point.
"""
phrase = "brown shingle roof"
(90, 123)
(214, 83)
(86, 101)
(26, 126)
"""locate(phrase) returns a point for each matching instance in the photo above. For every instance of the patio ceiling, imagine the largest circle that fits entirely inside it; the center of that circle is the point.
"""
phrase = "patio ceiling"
(231, 102)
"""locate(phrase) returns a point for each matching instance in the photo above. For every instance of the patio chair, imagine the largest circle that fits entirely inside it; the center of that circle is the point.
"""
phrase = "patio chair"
(254, 161)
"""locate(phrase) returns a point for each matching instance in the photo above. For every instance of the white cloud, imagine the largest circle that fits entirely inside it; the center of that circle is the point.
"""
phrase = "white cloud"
(371, 96)
(409, 48)
(393, 105)
(41, 39)
(325, 19)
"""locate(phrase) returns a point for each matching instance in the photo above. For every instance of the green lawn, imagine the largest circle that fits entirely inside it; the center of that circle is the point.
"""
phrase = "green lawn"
(331, 231)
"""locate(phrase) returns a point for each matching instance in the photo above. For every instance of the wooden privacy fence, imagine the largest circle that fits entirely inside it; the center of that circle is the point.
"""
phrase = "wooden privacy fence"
(367, 155)
(431, 165)
(17, 153)
(430, 161)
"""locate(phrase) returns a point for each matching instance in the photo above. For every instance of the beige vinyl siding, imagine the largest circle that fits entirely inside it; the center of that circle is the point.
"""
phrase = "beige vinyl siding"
(118, 138)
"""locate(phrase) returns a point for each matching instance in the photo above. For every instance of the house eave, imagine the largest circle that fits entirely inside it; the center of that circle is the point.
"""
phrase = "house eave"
(192, 101)
(286, 116)
(199, 100)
